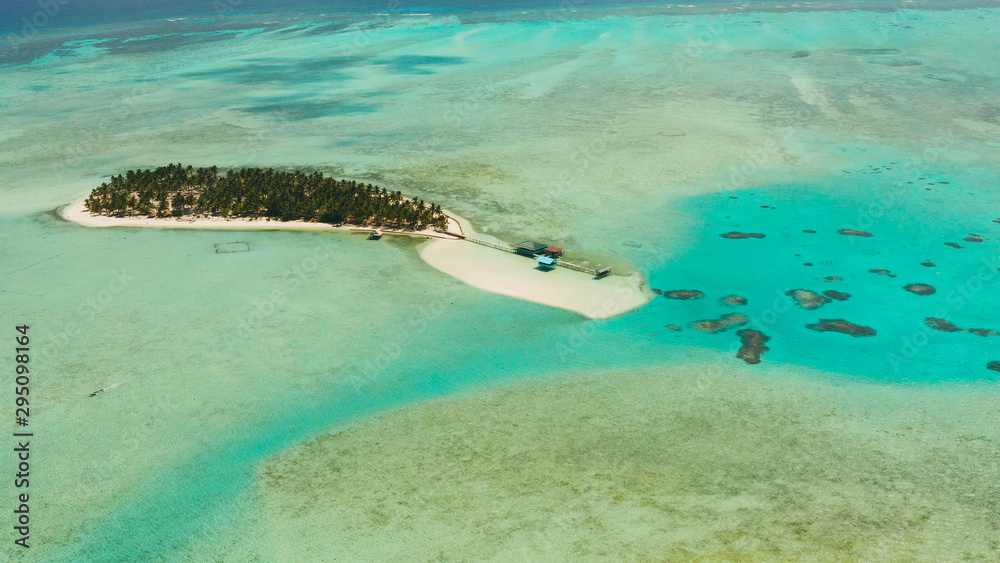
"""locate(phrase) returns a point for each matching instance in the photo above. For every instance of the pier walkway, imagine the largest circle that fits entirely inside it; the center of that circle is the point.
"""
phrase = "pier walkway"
(498, 244)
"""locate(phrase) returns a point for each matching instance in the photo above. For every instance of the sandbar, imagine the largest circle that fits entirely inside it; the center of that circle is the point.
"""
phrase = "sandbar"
(517, 276)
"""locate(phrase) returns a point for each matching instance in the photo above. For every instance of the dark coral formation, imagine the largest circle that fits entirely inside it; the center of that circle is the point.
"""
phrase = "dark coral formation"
(810, 231)
(882, 273)
(752, 345)
(842, 326)
(953, 244)
(807, 299)
(973, 238)
(656, 291)
(838, 295)
(854, 233)
(725, 322)
(739, 235)
(929, 264)
(673, 327)
(683, 294)
(983, 331)
(944, 325)
(833, 278)
(919, 288)
(733, 300)
(995, 366)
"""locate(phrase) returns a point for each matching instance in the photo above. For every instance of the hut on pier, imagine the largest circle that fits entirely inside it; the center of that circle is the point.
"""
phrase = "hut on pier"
(552, 251)
(531, 248)
(546, 262)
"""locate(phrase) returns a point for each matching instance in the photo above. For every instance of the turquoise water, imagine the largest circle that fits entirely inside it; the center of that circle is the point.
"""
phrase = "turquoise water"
(615, 138)
(910, 226)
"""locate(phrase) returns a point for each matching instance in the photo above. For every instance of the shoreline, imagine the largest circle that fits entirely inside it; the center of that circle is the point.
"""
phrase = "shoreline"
(77, 213)
(483, 268)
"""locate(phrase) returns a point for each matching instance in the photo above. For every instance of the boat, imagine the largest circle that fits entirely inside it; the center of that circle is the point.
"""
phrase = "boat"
(375, 235)
(99, 391)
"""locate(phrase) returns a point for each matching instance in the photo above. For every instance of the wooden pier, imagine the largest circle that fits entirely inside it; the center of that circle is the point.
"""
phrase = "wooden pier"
(500, 245)
(497, 244)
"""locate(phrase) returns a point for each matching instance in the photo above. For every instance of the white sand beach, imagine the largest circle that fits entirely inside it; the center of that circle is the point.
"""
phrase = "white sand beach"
(78, 213)
(517, 276)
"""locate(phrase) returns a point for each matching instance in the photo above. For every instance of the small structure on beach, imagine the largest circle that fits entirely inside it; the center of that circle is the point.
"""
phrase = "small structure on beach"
(546, 262)
(531, 248)
(375, 235)
(552, 251)
(603, 272)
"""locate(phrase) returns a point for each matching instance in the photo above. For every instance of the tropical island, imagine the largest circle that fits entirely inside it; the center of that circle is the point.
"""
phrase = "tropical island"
(175, 191)
(250, 199)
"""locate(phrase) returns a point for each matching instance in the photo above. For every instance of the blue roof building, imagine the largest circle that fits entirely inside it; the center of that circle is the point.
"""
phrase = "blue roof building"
(546, 261)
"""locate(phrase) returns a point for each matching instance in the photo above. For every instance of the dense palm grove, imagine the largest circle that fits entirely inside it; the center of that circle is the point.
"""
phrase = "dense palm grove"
(178, 191)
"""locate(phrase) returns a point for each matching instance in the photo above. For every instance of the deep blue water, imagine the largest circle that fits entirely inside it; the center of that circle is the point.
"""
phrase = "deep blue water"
(26, 15)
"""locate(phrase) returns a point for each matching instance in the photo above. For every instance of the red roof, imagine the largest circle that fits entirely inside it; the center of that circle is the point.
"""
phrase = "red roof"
(553, 249)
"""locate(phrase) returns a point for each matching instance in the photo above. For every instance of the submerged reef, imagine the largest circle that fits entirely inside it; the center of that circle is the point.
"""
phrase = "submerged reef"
(943, 325)
(882, 273)
(838, 295)
(983, 331)
(656, 291)
(683, 294)
(674, 328)
(920, 288)
(738, 235)
(842, 326)
(946, 326)
(929, 264)
(854, 233)
(953, 244)
(807, 299)
(733, 300)
(767, 468)
(752, 345)
(833, 279)
(725, 322)
(995, 366)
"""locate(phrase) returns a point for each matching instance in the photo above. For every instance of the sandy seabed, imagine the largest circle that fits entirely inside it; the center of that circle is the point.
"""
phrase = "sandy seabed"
(695, 462)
